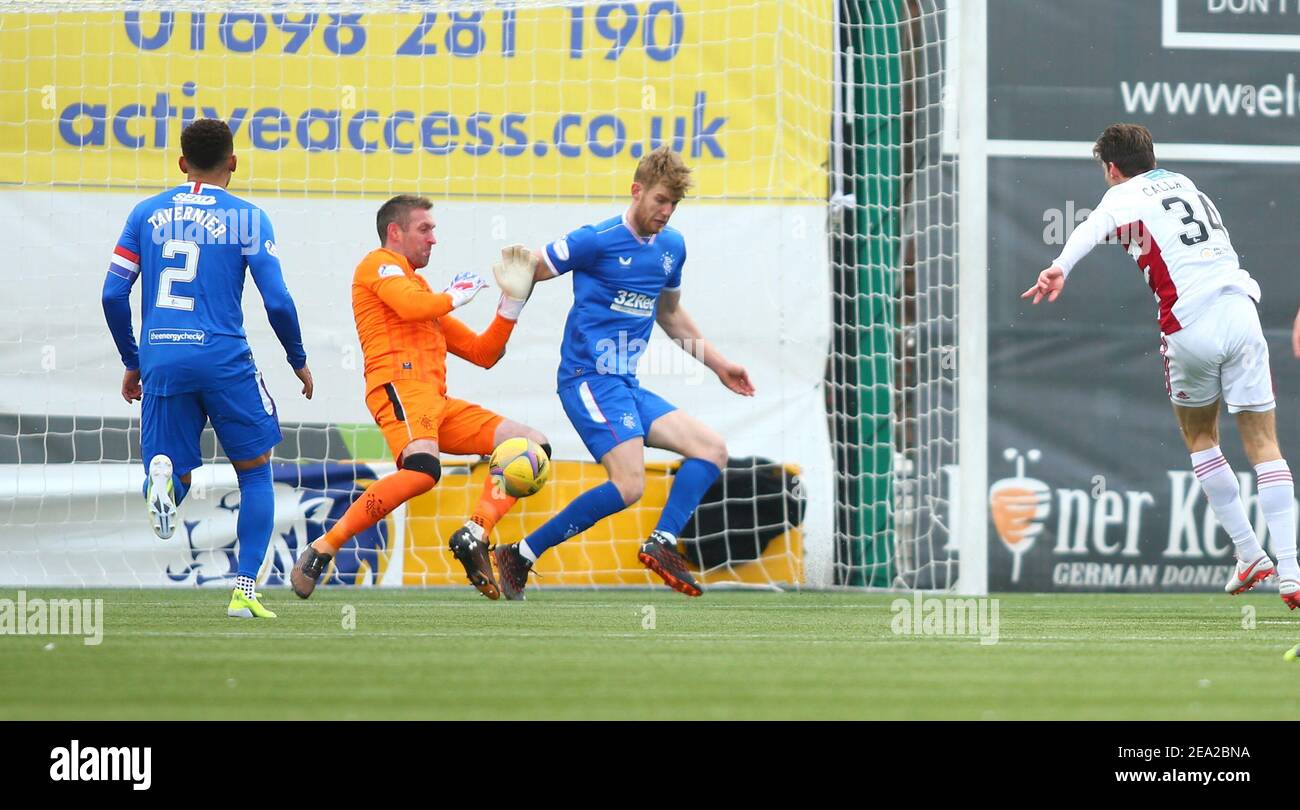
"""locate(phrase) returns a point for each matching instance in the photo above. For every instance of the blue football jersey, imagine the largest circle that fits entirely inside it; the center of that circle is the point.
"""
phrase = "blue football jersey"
(189, 247)
(617, 278)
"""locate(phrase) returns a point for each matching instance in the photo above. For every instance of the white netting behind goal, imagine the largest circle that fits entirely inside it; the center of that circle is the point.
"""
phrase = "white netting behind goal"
(522, 121)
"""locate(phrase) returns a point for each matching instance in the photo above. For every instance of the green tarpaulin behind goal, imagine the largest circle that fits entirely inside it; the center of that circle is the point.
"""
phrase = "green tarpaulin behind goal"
(865, 256)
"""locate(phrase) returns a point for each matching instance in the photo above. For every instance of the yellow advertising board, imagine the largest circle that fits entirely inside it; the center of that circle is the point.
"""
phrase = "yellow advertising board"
(497, 103)
(603, 555)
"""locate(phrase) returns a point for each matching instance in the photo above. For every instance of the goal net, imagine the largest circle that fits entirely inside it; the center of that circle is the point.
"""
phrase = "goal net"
(821, 230)
(892, 379)
(521, 121)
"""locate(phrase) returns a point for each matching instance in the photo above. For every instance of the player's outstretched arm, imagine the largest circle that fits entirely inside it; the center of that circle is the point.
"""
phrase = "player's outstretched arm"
(1099, 227)
(486, 348)
(412, 302)
(677, 323)
(576, 250)
(483, 350)
(541, 270)
(514, 274)
(1049, 285)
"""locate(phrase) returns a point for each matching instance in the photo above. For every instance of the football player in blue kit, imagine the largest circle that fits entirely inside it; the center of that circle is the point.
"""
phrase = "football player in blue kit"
(190, 247)
(627, 276)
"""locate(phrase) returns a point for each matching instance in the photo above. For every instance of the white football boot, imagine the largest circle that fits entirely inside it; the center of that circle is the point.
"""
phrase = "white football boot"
(161, 497)
(1247, 576)
(1290, 590)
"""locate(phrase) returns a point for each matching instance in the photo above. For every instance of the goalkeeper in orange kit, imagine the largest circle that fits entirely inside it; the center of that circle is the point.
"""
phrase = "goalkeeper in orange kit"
(406, 331)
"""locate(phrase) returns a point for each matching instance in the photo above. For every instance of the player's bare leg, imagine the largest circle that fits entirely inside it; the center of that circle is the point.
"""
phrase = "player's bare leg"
(493, 504)
(420, 472)
(1200, 428)
(1276, 495)
(705, 455)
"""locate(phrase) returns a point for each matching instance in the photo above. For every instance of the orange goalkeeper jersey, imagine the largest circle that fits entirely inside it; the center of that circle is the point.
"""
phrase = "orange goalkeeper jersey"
(405, 328)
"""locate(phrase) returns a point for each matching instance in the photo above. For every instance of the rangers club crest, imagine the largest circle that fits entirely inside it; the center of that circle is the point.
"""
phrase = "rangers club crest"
(668, 263)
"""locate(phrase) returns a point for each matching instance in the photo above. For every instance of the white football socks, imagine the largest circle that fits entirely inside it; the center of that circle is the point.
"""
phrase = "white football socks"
(528, 553)
(1224, 495)
(1277, 502)
(247, 585)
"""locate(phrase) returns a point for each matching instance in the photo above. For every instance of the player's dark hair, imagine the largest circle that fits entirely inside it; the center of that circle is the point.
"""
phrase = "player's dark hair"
(1128, 146)
(207, 142)
(399, 210)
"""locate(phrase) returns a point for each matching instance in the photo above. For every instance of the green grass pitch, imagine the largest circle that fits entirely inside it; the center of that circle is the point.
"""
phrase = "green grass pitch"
(431, 654)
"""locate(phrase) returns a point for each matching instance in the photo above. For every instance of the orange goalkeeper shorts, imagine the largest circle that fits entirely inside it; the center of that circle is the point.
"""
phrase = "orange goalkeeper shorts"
(406, 410)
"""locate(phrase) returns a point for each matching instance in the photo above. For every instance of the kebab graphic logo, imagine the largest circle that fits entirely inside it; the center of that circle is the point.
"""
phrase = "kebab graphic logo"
(1019, 506)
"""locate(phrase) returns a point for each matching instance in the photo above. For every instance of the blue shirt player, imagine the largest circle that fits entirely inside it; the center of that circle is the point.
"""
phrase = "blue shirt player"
(189, 247)
(627, 276)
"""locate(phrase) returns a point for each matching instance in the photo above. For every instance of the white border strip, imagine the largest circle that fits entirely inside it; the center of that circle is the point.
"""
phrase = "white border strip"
(1171, 37)
(1198, 152)
(952, 85)
(972, 303)
(593, 410)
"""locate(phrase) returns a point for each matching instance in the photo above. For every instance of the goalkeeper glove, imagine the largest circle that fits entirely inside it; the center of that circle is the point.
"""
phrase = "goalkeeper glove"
(464, 286)
(514, 275)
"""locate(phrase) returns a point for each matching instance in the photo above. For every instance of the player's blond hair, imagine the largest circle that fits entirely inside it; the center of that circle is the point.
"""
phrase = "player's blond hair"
(663, 165)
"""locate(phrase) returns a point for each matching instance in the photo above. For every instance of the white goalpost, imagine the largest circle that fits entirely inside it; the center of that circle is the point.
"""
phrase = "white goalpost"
(973, 303)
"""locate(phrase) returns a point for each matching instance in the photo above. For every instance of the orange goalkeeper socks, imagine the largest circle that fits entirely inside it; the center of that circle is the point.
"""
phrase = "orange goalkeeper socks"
(492, 506)
(380, 498)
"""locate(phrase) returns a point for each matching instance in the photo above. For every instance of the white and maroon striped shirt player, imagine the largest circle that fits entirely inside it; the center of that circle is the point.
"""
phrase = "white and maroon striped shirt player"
(1175, 234)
